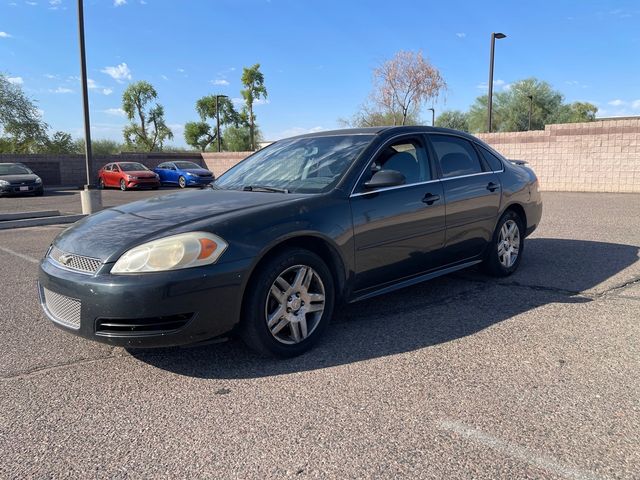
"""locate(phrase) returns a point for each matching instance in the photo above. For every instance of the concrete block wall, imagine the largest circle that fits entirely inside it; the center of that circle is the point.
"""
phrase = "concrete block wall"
(219, 163)
(601, 156)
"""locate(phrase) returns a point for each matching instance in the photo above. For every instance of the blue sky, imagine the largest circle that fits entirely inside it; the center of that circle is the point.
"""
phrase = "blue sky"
(317, 56)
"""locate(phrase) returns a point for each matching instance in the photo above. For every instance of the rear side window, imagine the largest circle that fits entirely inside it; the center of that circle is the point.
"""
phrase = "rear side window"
(107, 168)
(494, 162)
(456, 156)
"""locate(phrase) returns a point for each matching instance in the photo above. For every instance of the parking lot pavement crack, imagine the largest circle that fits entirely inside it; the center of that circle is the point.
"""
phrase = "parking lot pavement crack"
(113, 354)
(617, 289)
(538, 288)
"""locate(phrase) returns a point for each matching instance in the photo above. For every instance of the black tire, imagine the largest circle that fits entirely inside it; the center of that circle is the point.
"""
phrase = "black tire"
(492, 264)
(254, 330)
(39, 193)
(154, 188)
(123, 185)
(182, 182)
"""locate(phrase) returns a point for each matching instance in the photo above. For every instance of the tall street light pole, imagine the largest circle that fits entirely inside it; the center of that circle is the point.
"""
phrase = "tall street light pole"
(89, 197)
(218, 97)
(530, 109)
(490, 99)
(433, 116)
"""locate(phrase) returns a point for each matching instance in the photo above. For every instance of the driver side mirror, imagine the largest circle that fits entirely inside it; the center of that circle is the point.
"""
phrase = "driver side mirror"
(386, 178)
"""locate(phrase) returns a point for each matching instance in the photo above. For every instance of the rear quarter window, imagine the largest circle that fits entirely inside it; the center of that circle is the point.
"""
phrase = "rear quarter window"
(494, 162)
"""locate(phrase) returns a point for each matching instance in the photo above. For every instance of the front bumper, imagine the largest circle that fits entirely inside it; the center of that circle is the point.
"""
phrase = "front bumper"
(199, 180)
(147, 310)
(152, 183)
(21, 189)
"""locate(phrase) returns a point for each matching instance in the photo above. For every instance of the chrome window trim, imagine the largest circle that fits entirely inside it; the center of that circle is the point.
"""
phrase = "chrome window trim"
(374, 155)
(466, 176)
(397, 187)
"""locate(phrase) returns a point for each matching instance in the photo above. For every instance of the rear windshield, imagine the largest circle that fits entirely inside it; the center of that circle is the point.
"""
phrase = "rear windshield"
(132, 167)
(186, 165)
(12, 169)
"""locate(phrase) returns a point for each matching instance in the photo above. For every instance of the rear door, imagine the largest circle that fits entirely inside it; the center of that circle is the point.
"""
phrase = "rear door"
(398, 230)
(472, 194)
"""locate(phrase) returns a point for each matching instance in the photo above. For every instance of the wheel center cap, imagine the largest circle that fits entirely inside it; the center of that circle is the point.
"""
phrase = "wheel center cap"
(295, 304)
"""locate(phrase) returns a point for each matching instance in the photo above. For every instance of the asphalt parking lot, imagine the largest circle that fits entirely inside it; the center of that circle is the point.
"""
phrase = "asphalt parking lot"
(533, 376)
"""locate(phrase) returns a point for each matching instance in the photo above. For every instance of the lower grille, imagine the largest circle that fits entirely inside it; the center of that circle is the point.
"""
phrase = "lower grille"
(64, 310)
(137, 326)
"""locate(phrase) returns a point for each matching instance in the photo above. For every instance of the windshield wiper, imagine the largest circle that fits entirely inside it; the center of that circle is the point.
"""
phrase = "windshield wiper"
(252, 188)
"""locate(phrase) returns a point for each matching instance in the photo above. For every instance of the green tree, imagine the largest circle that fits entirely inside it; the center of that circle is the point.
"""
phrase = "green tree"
(511, 108)
(253, 80)
(371, 117)
(453, 119)
(103, 146)
(21, 127)
(202, 134)
(147, 130)
(61, 143)
(238, 138)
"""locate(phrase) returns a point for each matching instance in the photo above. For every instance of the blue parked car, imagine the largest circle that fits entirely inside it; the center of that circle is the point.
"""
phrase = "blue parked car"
(184, 174)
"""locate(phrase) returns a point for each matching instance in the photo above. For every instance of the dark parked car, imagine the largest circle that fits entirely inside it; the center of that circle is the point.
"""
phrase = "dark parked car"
(127, 175)
(184, 174)
(286, 234)
(16, 179)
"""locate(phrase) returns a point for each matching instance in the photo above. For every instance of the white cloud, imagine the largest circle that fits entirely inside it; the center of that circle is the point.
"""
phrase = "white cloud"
(50, 76)
(61, 90)
(142, 2)
(261, 101)
(33, 4)
(220, 81)
(497, 84)
(636, 104)
(91, 84)
(107, 91)
(181, 70)
(15, 80)
(119, 73)
(5, 35)
(461, 34)
(164, 77)
(293, 131)
(119, 3)
(54, 4)
(617, 102)
(237, 101)
(176, 128)
(115, 111)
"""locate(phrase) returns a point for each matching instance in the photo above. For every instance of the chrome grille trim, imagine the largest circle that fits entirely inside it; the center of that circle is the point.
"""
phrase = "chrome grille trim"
(75, 262)
(62, 309)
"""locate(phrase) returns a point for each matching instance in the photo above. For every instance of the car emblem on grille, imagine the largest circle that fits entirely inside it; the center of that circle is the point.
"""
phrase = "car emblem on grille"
(65, 259)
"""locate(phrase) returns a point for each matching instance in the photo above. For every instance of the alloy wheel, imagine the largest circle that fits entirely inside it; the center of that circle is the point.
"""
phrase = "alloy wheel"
(509, 243)
(295, 304)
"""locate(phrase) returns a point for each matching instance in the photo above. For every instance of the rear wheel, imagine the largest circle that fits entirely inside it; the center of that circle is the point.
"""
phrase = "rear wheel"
(288, 304)
(123, 185)
(182, 182)
(505, 252)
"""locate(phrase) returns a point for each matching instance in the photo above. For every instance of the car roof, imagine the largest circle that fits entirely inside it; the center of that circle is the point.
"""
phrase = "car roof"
(386, 131)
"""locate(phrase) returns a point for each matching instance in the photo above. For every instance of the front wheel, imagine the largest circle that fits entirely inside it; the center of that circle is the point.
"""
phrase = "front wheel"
(182, 182)
(123, 185)
(288, 304)
(505, 252)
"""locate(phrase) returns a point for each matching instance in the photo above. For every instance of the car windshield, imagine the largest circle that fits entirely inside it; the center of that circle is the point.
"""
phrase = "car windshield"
(132, 167)
(302, 165)
(186, 165)
(12, 169)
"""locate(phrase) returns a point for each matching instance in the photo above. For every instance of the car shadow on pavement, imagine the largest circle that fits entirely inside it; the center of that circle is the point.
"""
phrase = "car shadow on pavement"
(435, 312)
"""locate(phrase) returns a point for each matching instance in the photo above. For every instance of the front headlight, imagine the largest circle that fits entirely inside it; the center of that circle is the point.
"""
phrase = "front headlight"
(38, 180)
(4, 183)
(131, 177)
(185, 250)
(191, 174)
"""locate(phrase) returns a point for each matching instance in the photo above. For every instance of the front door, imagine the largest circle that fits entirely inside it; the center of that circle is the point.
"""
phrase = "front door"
(398, 230)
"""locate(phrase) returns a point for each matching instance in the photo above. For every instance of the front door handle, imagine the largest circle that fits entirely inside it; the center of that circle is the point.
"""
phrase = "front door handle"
(492, 187)
(430, 199)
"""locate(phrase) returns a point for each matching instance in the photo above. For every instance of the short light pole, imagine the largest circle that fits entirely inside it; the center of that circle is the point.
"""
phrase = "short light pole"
(433, 116)
(218, 97)
(530, 109)
(90, 198)
(490, 99)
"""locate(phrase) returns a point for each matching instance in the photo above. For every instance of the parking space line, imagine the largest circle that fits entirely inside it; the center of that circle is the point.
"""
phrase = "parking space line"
(20, 255)
(521, 453)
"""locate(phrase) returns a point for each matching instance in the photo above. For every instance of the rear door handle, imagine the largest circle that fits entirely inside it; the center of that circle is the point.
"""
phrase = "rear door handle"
(492, 187)
(430, 199)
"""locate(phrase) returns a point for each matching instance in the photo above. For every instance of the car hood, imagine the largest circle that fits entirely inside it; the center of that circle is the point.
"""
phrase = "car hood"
(140, 173)
(198, 171)
(27, 177)
(110, 232)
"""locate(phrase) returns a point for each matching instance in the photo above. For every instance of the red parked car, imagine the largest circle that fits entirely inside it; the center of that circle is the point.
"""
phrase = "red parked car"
(126, 175)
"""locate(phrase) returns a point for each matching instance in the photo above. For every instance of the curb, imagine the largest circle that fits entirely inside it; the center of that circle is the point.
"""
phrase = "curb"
(5, 217)
(37, 222)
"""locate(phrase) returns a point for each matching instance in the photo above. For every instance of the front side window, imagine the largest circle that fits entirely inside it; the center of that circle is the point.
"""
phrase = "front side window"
(107, 168)
(456, 156)
(132, 167)
(301, 165)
